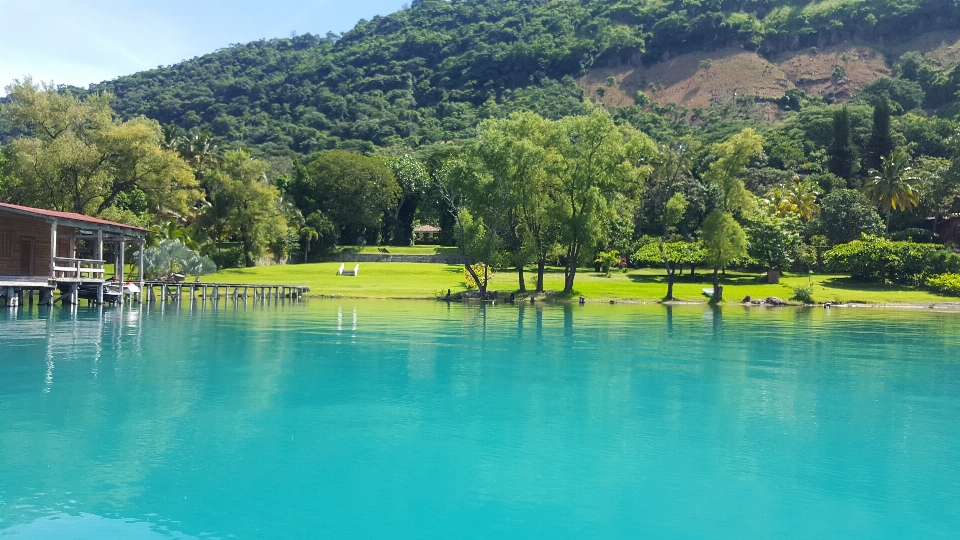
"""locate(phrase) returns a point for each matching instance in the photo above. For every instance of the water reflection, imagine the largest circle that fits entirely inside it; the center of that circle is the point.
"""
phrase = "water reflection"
(479, 421)
(91, 527)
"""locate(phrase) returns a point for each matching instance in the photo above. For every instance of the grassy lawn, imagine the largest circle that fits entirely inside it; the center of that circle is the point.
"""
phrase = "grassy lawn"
(419, 280)
(376, 280)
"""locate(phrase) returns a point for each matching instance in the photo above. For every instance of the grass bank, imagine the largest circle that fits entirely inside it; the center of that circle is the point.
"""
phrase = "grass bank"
(419, 280)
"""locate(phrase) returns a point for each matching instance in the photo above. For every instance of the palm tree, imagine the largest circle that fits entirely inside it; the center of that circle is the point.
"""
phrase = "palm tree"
(778, 202)
(802, 199)
(891, 189)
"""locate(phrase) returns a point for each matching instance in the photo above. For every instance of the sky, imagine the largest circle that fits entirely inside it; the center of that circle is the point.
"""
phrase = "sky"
(82, 42)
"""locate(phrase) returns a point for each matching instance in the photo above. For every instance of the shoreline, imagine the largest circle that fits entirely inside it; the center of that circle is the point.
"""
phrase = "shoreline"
(551, 300)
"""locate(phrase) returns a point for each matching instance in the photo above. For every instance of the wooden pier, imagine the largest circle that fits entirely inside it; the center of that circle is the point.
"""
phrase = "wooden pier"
(165, 291)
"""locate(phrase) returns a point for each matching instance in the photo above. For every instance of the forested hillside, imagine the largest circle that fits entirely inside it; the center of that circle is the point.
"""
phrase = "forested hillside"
(431, 72)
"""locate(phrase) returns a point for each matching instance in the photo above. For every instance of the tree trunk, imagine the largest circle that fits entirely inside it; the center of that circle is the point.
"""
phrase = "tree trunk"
(717, 289)
(523, 286)
(541, 264)
(481, 284)
(669, 285)
(570, 272)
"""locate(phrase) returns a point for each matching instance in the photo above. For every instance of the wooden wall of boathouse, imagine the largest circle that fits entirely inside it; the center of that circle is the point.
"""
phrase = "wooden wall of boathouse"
(25, 245)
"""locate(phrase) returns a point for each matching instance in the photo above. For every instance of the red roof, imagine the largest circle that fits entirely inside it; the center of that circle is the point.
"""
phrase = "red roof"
(66, 216)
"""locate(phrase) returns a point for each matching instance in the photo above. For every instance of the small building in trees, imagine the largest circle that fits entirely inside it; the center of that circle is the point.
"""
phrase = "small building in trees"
(948, 229)
(426, 234)
(48, 251)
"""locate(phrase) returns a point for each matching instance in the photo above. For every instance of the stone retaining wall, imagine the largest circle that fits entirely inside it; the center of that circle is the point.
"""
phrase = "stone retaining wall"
(389, 257)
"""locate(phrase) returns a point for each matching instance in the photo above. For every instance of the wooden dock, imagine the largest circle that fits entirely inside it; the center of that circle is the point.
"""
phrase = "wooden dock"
(174, 291)
(21, 292)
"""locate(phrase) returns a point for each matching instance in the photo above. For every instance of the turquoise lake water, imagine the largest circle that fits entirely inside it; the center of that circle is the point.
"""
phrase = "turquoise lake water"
(407, 419)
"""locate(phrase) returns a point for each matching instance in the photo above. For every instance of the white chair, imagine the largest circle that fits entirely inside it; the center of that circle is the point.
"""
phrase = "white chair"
(354, 272)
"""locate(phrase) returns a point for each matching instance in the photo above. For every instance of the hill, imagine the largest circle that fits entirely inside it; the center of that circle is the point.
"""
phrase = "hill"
(430, 73)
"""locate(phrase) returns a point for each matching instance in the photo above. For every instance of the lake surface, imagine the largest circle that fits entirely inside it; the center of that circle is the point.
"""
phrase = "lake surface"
(407, 419)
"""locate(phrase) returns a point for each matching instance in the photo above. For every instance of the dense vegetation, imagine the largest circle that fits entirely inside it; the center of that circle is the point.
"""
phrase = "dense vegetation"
(466, 115)
(432, 72)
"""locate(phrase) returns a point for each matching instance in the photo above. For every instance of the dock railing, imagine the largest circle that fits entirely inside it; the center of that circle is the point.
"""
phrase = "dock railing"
(77, 269)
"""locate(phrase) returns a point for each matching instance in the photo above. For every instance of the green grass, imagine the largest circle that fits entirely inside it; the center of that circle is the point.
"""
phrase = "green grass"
(376, 280)
(418, 280)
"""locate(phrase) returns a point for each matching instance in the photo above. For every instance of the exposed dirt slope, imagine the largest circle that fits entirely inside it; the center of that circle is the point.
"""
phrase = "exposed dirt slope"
(692, 80)
(701, 79)
(816, 72)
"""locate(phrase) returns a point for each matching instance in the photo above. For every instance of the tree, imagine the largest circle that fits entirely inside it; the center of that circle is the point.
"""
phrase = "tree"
(733, 156)
(801, 199)
(845, 215)
(79, 158)
(467, 188)
(518, 150)
(773, 241)
(724, 242)
(352, 190)
(891, 189)
(674, 210)
(671, 174)
(880, 144)
(599, 160)
(316, 226)
(413, 181)
(841, 154)
(253, 205)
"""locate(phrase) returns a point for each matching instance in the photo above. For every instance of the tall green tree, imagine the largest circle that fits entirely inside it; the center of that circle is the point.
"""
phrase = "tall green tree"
(599, 161)
(354, 191)
(845, 215)
(254, 214)
(773, 240)
(519, 150)
(478, 202)
(413, 181)
(80, 158)
(733, 156)
(674, 210)
(842, 154)
(724, 241)
(880, 144)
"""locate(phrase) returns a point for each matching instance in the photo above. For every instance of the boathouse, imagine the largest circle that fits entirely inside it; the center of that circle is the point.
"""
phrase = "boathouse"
(60, 254)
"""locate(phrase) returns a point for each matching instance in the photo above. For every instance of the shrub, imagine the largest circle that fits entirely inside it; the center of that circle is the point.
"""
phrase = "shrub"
(877, 259)
(803, 294)
(478, 269)
(943, 262)
(231, 257)
(608, 259)
(945, 283)
(172, 257)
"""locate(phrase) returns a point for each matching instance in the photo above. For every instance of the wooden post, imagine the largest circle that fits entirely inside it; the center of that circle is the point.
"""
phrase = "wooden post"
(72, 298)
(53, 249)
(122, 262)
(143, 243)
